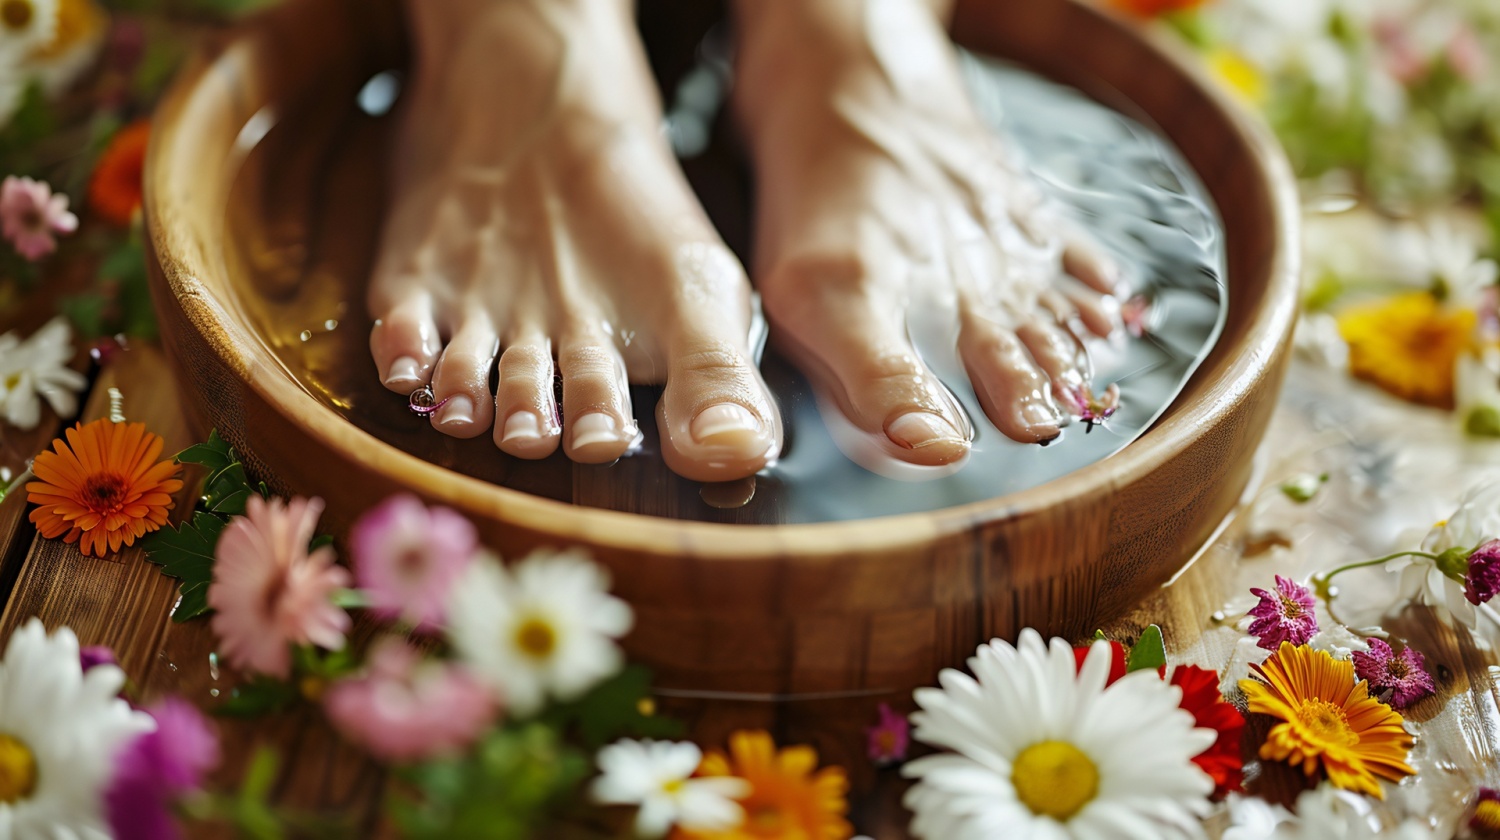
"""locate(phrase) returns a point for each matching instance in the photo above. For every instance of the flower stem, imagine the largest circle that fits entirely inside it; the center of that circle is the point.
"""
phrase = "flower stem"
(1322, 582)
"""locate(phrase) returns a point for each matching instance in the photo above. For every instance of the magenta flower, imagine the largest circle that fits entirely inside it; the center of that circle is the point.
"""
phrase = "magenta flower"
(404, 708)
(889, 738)
(1404, 675)
(269, 592)
(157, 769)
(1482, 580)
(407, 556)
(30, 215)
(1285, 615)
(94, 655)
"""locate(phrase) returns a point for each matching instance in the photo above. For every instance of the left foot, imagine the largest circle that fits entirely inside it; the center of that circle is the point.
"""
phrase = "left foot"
(881, 192)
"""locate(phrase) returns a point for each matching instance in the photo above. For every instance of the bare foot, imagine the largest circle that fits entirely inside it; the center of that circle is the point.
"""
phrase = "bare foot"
(881, 198)
(538, 211)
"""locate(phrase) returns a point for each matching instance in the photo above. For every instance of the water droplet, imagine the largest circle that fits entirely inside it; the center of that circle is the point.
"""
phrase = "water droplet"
(305, 335)
(1218, 616)
(379, 93)
(213, 666)
(171, 666)
(330, 325)
(213, 692)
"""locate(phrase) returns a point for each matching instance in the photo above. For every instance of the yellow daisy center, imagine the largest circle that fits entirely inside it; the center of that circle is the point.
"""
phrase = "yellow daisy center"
(1055, 778)
(536, 638)
(17, 769)
(1325, 724)
(16, 14)
(12, 381)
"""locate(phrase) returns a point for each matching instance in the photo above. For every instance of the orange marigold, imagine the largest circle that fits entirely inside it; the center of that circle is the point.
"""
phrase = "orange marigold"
(788, 799)
(104, 487)
(115, 189)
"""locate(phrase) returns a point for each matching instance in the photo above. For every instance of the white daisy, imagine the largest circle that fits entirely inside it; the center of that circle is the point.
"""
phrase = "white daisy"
(1043, 749)
(546, 626)
(1476, 521)
(1476, 389)
(1327, 813)
(38, 367)
(25, 26)
(657, 777)
(59, 729)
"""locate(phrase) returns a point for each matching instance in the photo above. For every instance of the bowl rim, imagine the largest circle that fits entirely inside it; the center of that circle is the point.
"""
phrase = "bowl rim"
(1223, 384)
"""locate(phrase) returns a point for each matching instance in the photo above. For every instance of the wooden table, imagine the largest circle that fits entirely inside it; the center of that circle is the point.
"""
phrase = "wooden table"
(125, 602)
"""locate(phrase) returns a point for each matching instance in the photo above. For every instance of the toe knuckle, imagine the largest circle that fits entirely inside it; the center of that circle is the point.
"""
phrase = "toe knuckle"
(588, 362)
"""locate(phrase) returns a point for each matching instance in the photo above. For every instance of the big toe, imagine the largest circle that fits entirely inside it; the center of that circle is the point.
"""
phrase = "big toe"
(864, 360)
(717, 419)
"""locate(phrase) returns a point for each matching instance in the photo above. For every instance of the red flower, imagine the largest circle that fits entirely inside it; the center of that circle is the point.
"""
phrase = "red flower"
(1116, 660)
(1223, 761)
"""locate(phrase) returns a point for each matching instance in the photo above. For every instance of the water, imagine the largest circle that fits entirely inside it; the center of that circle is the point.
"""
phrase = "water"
(303, 246)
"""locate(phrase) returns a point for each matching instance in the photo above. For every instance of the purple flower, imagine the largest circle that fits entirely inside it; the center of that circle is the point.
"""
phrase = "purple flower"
(1482, 580)
(157, 769)
(407, 557)
(889, 738)
(95, 655)
(1285, 615)
(1404, 675)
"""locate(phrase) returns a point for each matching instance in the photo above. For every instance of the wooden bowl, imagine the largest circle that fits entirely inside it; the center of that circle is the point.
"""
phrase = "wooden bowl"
(865, 609)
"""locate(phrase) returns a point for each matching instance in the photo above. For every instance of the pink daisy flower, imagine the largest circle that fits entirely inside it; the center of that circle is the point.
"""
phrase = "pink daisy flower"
(407, 556)
(889, 739)
(1482, 580)
(30, 215)
(1404, 675)
(269, 592)
(404, 708)
(1285, 615)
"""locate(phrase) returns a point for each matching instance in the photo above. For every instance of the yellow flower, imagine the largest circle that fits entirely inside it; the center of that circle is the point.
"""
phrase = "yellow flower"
(1408, 345)
(787, 801)
(1238, 74)
(1328, 719)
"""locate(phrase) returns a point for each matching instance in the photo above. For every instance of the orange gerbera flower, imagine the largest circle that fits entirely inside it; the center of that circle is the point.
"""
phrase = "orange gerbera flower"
(115, 189)
(1328, 718)
(1408, 345)
(787, 801)
(104, 487)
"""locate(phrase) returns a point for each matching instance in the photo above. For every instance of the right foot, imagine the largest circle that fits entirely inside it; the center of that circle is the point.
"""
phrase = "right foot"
(882, 197)
(538, 211)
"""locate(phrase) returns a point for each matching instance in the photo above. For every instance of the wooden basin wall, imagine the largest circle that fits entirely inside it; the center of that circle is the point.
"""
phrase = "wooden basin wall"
(863, 609)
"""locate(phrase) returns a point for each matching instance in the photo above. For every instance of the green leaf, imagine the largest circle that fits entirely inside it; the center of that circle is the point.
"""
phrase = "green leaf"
(1148, 652)
(260, 696)
(508, 787)
(187, 553)
(216, 454)
(619, 707)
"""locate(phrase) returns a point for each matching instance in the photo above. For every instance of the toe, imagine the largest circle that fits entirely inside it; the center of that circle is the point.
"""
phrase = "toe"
(1059, 356)
(717, 419)
(526, 423)
(461, 382)
(598, 427)
(862, 358)
(405, 343)
(1086, 259)
(1012, 389)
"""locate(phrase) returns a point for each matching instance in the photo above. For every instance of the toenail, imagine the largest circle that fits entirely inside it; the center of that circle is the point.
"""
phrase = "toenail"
(723, 419)
(457, 409)
(920, 428)
(595, 428)
(523, 425)
(1040, 415)
(403, 371)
